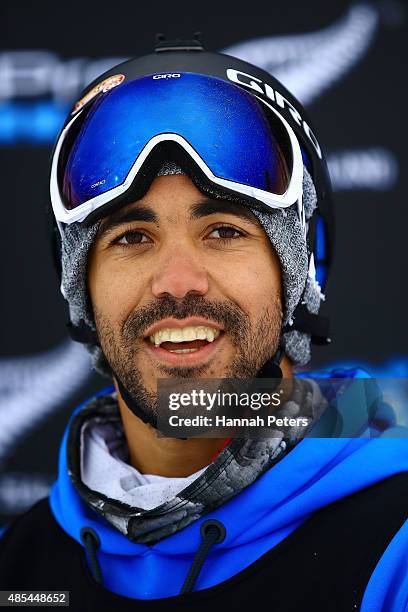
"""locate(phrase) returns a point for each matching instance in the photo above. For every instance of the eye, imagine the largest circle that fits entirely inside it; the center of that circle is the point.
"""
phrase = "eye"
(226, 232)
(131, 237)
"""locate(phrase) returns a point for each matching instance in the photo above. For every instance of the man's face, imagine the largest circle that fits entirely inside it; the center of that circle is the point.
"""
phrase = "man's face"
(183, 286)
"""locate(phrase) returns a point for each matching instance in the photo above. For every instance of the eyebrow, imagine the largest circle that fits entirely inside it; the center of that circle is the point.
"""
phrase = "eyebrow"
(209, 207)
(197, 211)
(119, 217)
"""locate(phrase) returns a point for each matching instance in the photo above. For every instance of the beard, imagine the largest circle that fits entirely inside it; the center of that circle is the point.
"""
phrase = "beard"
(255, 343)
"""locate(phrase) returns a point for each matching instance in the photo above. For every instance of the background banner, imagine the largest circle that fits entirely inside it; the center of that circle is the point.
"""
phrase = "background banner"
(345, 61)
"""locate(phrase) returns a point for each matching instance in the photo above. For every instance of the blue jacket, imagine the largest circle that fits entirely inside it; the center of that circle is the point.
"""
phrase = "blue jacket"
(312, 475)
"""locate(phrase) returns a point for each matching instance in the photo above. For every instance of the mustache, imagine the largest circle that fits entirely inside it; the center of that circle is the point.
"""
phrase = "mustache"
(226, 313)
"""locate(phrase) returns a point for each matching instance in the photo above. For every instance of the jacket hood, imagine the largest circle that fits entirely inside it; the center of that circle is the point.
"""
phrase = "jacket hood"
(316, 472)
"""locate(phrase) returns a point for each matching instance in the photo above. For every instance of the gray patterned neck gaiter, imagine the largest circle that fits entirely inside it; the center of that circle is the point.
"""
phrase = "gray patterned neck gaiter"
(235, 468)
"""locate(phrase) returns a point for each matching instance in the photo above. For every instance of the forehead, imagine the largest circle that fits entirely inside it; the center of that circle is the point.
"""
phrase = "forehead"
(170, 198)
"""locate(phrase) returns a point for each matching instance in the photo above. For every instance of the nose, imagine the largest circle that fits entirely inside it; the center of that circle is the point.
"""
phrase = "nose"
(179, 273)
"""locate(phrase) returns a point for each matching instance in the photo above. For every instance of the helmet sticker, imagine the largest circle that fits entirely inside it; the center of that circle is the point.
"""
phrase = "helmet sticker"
(102, 87)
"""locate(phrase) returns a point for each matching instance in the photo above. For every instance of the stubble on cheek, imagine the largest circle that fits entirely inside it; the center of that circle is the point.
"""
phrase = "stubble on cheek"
(259, 345)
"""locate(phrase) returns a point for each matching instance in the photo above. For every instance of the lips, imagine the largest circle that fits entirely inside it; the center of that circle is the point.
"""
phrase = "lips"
(184, 353)
(185, 342)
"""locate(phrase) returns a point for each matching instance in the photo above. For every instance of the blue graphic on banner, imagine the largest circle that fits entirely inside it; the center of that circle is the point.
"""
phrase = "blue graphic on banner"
(31, 122)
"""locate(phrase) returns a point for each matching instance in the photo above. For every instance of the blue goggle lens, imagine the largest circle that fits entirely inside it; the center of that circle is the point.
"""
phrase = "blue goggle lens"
(228, 127)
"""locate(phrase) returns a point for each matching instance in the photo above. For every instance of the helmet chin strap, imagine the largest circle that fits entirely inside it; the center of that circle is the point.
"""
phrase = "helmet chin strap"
(134, 406)
(270, 369)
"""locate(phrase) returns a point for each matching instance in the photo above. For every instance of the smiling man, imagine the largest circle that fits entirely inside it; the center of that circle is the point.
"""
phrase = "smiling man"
(166, 304)
(186, 188)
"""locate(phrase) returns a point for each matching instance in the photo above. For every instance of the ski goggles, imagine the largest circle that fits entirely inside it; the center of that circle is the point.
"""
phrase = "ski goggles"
(236, 139)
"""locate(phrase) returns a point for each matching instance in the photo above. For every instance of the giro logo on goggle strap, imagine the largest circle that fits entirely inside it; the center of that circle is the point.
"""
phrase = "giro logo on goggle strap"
(167, 76)
(242, 78)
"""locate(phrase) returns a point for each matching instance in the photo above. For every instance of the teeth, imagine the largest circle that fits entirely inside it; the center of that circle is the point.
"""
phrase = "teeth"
(164, 336)
(185, 334)
(201, 333)
(189, 334)
(175, 336)
(183, 350)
